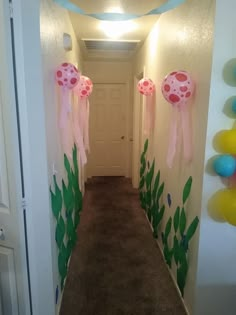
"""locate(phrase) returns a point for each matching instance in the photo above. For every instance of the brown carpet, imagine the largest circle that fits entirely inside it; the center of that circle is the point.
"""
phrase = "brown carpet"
(117, 268)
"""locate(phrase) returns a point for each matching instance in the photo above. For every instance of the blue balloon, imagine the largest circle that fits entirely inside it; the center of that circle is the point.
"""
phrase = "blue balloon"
(234, 105)
(225, 165)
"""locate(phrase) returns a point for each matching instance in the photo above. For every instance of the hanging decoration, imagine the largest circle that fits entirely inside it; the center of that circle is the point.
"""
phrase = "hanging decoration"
(168, 5)
(81, 123)
(178, 88)
(147, 88)
(67, 76)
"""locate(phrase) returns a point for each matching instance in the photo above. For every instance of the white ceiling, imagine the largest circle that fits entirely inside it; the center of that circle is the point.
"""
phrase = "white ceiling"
(88, 28)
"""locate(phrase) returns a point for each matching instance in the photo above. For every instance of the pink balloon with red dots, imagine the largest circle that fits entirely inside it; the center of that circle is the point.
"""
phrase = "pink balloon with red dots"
(85, 87)
(177, 88)
(67, 75)
(146, 86)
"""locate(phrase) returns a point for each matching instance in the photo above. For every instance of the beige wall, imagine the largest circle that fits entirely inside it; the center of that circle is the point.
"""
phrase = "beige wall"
(54, 21)
(115, 72)
(181, 40)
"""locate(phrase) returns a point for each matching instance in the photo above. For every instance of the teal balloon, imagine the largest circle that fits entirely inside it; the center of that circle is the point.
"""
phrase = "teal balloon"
(225, 165)
(234, 105)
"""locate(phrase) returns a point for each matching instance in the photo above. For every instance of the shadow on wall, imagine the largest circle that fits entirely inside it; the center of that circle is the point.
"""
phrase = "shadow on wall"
(221, 293)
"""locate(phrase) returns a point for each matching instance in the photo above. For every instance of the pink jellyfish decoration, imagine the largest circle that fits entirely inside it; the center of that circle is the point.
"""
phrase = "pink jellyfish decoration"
(67, 77)
(81, 127)
(147, 88)
(178, 88)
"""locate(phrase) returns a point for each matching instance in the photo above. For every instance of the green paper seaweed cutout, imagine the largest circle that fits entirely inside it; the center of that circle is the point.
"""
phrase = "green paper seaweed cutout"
(66, 206)
(181, 239)
(150, 193)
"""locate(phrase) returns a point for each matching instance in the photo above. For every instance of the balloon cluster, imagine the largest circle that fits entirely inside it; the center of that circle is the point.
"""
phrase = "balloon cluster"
(68, 77)
(223, 202)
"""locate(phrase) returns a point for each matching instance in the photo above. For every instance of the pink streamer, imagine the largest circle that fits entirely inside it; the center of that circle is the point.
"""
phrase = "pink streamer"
(64, 107)
(79, 140)
(172, 138)
(187, 134)
(67, 139)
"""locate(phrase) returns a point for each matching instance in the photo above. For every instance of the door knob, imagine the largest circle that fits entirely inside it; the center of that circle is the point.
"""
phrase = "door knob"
(122, 138)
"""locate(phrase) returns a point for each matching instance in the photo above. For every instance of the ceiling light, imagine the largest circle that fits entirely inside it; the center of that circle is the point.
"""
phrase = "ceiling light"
(117, 29)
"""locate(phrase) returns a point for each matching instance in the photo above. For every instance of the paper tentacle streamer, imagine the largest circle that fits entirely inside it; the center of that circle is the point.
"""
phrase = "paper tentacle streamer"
(79, 139)
(186, 131)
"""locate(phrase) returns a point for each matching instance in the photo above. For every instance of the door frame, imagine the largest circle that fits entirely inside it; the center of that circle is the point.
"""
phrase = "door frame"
(17, 258)
(137, 129)
(32, 128)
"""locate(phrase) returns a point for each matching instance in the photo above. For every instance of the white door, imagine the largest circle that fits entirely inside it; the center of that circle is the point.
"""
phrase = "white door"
(108, 130)
(13, 267)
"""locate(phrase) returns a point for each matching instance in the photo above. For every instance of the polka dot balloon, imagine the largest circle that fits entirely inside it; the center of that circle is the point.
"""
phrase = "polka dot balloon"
(67, 75)
(177, 88)
(146, 86)
(84, 87)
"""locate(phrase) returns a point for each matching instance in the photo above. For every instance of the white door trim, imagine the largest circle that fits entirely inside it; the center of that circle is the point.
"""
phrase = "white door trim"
(26, 14)
(18, 261)
(137, 130)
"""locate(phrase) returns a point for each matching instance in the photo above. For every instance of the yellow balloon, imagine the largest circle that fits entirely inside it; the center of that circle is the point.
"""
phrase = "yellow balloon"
(224, 202)
(214, 207)
(225, 141)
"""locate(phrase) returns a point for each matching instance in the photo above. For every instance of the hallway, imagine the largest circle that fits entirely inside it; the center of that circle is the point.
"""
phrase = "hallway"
(117, 268)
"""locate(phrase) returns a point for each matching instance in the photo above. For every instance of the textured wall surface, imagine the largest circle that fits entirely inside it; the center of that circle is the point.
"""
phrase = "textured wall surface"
(216, 280)
(54, 21)
(181, 40)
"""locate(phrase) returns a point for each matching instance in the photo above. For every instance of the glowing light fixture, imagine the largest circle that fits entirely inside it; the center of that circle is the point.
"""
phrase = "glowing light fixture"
(115, 10)
(117, 29)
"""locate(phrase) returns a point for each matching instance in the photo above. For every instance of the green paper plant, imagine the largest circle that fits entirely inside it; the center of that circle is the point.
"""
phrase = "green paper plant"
(157, 211)
(143, 161)
(150, 195)
(181, 239)
(167, 250)
(67, 217)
